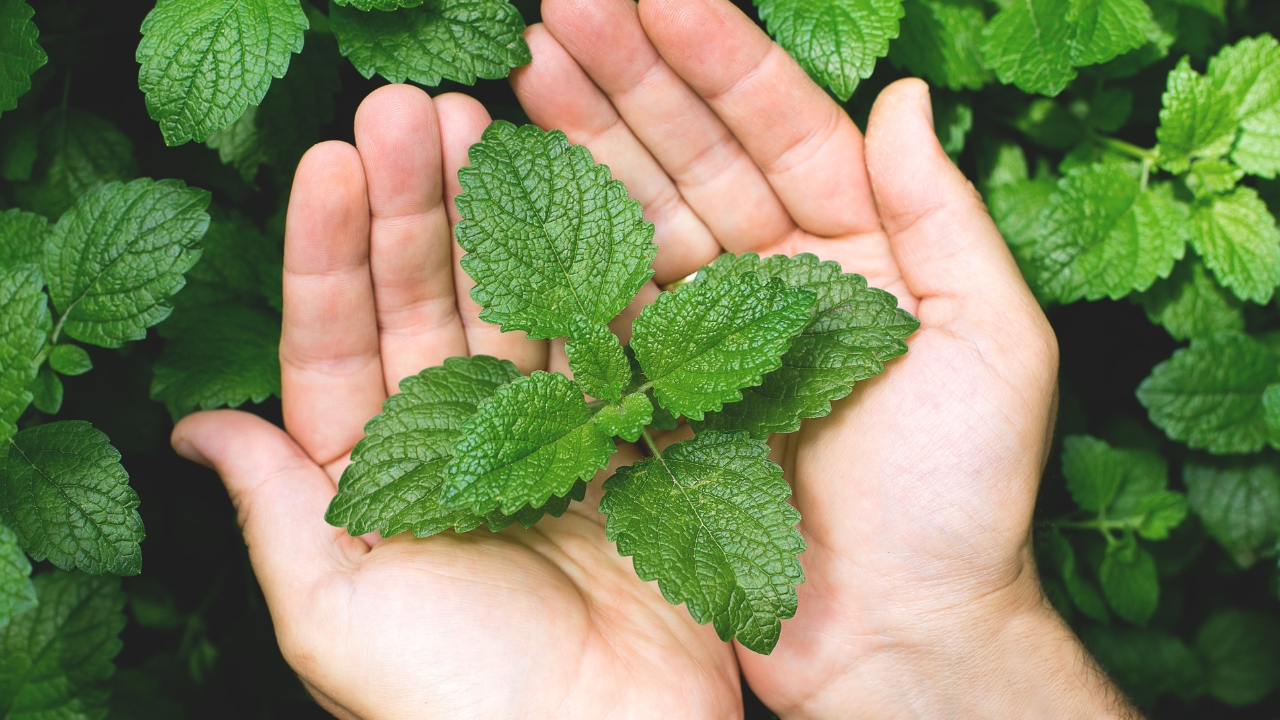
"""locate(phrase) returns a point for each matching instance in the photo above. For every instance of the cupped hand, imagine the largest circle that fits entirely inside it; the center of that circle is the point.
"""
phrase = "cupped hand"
(540, 623)
(917, 491)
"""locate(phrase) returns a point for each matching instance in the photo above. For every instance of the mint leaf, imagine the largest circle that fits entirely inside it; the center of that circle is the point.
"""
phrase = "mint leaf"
(1238, 239)
(205, 61)
(1146, 663)
(79, 152)
(46, 391)
(24, 326)
(1095, 471)
(1102, 235)
(1124, 487)
(55, 659)
(22, 236)
(1159, 513)
(627, 419)
(65, 495)
(232, 261)
(1241, 651)
(20, 54)
(1189, 303)
(17, 594)
(1210, 394)
(699, 346)
(597, 360)
(1017, 207)
(1271, 412)
(1108, 28)
(1210, 177)
(528, 516)
(1258, 149)
(1233, 108)
(70, 360)
(1249, 74)
(379, 4)
(394, 479)
(222, 355)
(941, 42)
(854, 331)
(835, 41)
(117, 256)
(1029, 44)
(287, 123)
(533, 439)
(438, 40)
(709, 520)
(1130, 582)
(1038, 44)
(1239, 505)
(1196, 119)
(549, 235)
(1083, 592)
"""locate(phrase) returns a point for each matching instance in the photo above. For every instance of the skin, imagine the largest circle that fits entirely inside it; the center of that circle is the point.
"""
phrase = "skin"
(921, 598)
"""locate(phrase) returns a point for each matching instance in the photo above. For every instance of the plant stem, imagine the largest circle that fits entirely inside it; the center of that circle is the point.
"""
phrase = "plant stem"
(648, 440)
(1124, 148)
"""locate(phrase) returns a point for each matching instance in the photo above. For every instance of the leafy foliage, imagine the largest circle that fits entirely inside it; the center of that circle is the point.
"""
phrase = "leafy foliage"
(68, 499)
(21, 54)
(533, 439)
(1210, 394)
(55, 660)
(24, 322)
(119, 254)
(854, 331)
(835, 41)
(699, 346)
(709, 520)
(1103, 235)
(545, 247)
(394, 479)
(1157, 128)
(205, 61)
(431, 41)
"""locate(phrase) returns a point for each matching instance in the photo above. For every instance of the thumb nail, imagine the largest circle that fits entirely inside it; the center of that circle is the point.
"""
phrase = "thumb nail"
(926, 104)
(183, 447)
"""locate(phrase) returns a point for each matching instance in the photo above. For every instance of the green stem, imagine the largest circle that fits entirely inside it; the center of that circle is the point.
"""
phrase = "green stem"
(1098, 524)
(57, 329)
(1124, 148)
(648, 440)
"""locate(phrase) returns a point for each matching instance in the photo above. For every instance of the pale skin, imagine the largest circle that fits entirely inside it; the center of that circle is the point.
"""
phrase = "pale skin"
(921, 598)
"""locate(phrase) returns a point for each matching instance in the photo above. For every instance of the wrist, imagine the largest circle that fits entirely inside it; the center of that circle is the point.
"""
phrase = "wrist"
(1006, 655)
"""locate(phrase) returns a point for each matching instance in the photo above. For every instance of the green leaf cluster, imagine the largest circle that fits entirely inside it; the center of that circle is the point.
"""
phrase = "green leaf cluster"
(753, 346)
(206, 66)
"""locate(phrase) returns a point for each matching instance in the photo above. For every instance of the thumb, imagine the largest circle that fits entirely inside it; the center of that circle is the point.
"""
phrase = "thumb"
(939, 230)
(280, 496)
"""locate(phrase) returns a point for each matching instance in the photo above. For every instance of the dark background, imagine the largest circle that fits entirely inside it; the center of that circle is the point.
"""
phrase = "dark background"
(200, 644)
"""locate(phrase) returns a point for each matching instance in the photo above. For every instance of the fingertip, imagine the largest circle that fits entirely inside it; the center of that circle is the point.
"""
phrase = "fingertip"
(393, 101)
(462, 121)
(330, 165)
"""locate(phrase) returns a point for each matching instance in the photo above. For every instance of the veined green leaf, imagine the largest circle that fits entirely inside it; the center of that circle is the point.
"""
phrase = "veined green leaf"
(709, 520)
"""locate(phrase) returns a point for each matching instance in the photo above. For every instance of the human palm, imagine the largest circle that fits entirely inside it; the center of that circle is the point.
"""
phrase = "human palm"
(916, 492)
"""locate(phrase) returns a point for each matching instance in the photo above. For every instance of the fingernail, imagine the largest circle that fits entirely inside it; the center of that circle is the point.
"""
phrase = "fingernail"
(926, 104)
(189, 451)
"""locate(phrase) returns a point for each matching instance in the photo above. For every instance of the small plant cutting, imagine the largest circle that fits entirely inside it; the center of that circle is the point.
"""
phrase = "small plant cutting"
(750, 347)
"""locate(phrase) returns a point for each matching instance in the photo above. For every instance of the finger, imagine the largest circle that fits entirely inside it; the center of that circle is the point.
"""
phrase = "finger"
(410, 247)
(808, 148)
(462, 121)
(331, 377)
(556, 93)
(945, 242)
(280, 496)
(713, 172)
